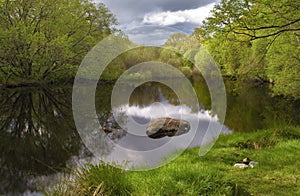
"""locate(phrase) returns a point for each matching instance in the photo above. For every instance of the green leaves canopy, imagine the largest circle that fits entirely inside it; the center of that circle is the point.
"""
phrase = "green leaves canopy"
(42, 37)
(257, 39)
(254, 19)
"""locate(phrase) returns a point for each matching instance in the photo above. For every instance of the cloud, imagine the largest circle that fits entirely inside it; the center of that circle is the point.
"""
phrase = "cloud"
(150, 35)
(182, 16)
(135, 17)
(127, 11)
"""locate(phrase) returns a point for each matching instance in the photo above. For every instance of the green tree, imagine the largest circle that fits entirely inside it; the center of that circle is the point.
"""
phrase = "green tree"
(254, 19)
(257, 39)
(284, 65)
(40, 38)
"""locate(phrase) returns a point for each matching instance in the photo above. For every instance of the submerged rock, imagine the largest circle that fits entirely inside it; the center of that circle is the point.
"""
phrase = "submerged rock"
(117, 134)
(112, 129)
(162, 127)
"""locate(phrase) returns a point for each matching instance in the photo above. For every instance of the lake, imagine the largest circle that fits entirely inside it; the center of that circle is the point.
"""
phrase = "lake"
(40, 143)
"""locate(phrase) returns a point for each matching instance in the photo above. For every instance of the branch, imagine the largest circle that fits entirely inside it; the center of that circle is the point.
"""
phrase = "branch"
(271, 27)
(253, 37)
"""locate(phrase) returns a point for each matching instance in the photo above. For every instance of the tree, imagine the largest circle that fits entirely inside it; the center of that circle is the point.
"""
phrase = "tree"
(176, 39)
(254, 19)
(257, 39)
(42, 37)
(284, 65)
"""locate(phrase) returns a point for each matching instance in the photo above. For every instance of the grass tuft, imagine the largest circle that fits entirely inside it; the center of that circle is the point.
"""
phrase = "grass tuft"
(101, 179)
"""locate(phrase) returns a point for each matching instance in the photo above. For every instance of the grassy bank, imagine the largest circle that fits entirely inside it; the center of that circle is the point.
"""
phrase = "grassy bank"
(277, 151)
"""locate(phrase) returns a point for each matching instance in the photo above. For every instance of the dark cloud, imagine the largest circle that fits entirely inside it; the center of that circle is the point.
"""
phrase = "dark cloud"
(175, 5)
(128, 10)
(187, 27)
(151, 35)
(131, 14)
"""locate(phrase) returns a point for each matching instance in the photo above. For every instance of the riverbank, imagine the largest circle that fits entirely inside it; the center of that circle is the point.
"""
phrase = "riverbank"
(35, 83)
(277, 150)
(68, 79)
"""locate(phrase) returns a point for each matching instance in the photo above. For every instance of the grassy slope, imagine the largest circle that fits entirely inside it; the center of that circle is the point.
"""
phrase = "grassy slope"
(278, 172)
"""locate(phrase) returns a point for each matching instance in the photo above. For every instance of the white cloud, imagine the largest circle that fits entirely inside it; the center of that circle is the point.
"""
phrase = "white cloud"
(182, 16)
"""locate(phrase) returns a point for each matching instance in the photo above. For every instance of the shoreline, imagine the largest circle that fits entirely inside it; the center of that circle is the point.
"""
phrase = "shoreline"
(274, 149)
(12, 85)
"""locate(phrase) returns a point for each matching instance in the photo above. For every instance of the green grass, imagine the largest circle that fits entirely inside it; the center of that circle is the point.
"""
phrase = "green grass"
(277, 151)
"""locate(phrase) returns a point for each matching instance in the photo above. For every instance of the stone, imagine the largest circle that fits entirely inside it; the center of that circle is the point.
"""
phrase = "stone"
(246, 163)
(241, 165)
(117, 134)
(162, 127)
(110, 125)
(113, 130)
(253, 164)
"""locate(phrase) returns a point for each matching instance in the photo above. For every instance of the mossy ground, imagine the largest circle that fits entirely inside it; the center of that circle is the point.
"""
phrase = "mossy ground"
(277, 151)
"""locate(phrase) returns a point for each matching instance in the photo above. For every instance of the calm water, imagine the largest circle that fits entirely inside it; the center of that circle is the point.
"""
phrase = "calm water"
(39, 140)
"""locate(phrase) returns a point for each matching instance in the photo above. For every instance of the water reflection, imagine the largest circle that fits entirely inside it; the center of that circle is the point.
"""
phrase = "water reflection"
(37, 134)
(38, 138)
(147, 103)
(251, 107)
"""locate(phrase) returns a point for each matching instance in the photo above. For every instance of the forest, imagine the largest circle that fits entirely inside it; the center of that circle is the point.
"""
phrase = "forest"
(252, 40)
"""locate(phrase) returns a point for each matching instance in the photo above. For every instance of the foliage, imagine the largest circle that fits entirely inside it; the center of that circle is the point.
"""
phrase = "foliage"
(186, 71)
(182, 42)
(168, 55)
(284, 64)
(254, 19)
(43, 37)
(256, 39)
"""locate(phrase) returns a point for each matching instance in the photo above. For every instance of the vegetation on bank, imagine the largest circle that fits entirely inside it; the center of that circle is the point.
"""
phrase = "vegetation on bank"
(256, 39)
(277, 150)
(44, 40)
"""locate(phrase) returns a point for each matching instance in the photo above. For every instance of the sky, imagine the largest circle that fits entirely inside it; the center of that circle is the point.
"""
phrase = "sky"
(151, 22)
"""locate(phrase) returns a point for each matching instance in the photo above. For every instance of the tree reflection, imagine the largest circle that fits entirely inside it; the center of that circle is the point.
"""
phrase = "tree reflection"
(37, 134)
(251, 107)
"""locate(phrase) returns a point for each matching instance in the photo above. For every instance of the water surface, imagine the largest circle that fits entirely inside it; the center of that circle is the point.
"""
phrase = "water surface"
(39, 140)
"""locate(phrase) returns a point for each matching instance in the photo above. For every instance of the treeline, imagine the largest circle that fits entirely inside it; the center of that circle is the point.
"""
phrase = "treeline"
(182, 51)
(248, 39)
(256, 39)
(253, 40)
(178, 51)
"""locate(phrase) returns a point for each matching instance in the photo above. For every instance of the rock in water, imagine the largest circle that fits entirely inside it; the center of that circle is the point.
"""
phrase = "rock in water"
(112, 129)
(162, 127)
